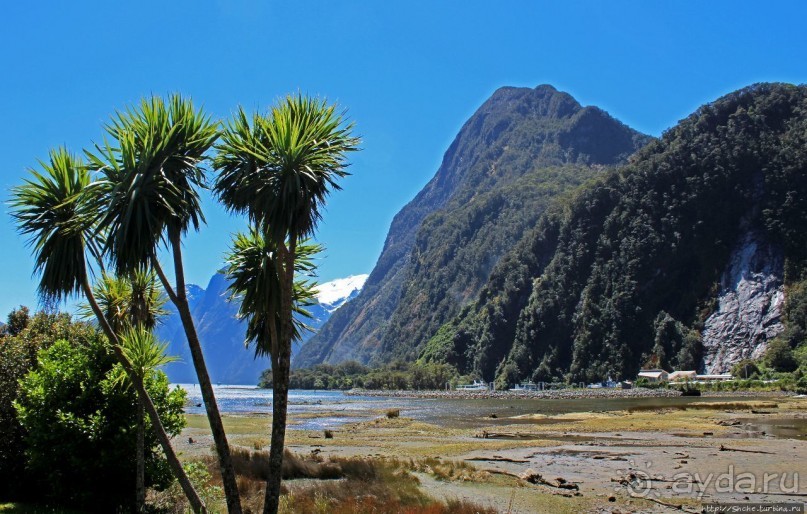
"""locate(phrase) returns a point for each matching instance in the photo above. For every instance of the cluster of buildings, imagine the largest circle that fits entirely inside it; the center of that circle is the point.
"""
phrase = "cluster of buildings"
(659, 375)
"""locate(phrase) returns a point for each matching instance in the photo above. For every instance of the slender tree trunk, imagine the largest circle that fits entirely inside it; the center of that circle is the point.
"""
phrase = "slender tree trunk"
(180, 299)
(281, 364)
(141, 460)
(145, 400)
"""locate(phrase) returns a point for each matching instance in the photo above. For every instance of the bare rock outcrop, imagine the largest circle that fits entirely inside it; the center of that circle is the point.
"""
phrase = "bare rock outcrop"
(749, 305)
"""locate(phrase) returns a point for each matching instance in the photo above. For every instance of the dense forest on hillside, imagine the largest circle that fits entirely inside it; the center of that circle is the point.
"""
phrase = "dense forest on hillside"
(625, 270)
(522, 148)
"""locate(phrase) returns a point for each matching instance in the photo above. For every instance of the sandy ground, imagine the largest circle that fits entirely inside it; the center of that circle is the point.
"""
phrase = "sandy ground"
(660, 460)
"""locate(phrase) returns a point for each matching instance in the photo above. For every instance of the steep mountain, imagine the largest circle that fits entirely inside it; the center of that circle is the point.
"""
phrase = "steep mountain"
(519, 150)
(222, 334)
(693, 255)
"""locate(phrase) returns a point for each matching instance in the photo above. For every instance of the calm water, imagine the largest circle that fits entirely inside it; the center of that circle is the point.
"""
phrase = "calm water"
(337, 408)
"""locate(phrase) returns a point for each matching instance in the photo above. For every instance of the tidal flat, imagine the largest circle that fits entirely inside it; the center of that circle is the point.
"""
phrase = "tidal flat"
(594, 455)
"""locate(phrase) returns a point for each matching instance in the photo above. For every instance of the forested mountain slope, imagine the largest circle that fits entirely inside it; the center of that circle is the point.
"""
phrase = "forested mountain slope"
(521, 148)
(690, 256)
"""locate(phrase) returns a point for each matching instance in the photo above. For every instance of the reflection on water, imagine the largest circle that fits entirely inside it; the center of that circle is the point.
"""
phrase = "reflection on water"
(795, 428)
(316, 410)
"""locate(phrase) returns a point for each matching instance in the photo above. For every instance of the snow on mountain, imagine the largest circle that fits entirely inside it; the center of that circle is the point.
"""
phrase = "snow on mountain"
(222, 333)
(331, 295)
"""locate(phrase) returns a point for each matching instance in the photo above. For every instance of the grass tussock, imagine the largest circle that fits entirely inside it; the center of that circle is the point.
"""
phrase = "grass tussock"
(441, 469)
(336, 485)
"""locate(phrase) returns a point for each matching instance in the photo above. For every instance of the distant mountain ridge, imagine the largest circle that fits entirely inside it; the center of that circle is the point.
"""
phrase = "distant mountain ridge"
(222, 334)
(556, 244)
(691, 256)
(519, 150)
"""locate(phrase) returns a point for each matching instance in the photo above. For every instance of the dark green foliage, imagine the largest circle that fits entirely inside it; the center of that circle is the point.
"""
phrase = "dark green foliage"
(627, 267)
(18, 356)
(456, 250)
(17, 321)
(79, 426)
(779, 356)
(348, 374)
(518, 151)
(745, 369)
(795, 313)
(676, 346)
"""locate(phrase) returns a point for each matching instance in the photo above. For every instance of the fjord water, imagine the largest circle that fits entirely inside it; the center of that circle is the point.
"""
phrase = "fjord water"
(315, 410)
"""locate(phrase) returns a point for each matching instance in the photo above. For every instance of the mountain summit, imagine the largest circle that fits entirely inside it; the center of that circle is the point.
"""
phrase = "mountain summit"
(691, 256)
(520, 149)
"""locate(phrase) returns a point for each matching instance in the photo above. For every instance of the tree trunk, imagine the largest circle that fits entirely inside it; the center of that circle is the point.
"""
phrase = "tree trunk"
(280, 397)
(180, 299)
(140, 504)
(281, 363)
(145, 400)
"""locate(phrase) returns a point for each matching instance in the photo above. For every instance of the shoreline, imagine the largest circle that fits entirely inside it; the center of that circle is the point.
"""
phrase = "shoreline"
(558, 394)
(520, 459)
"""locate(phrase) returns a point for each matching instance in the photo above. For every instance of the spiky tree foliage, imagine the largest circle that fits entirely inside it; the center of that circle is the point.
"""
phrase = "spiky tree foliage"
(55, 207)
(278, 170)
(51, 208)
(252, 267)
(152, 173)
(151, 176)
(135, 300)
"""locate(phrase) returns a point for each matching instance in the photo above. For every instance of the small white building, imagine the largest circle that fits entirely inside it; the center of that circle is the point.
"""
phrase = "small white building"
(653, 375)
(714, 378)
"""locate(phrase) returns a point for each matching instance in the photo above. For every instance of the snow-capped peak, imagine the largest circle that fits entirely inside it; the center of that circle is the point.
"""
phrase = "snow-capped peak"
(334, 291)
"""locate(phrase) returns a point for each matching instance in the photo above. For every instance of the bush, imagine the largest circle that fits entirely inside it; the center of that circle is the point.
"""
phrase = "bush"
(80, 427)
(745, 369)
(24, 336)
(779, 356)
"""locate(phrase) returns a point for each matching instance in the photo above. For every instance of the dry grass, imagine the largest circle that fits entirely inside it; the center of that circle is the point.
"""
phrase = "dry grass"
(442, 469)
(339, 485)
(738, 405)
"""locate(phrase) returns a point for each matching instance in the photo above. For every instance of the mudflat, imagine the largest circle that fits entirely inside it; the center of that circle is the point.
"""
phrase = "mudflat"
(650, 456)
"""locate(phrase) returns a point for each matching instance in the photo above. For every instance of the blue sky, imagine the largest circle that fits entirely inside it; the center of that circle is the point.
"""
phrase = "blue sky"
(409, 73)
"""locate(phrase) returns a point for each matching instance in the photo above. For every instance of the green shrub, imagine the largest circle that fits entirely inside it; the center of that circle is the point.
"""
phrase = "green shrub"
(24, 336)
(745, 369)
(80, 427)
(779, 356)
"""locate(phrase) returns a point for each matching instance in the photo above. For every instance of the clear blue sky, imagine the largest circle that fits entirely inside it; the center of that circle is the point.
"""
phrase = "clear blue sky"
(410, 73)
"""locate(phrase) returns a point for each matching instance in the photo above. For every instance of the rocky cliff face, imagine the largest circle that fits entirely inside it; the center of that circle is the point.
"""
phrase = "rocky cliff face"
(750, 303)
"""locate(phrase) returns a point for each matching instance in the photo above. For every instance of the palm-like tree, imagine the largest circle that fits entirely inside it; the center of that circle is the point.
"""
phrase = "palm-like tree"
(150, 192)
(131, 306)
(146, 355)
(136, 300)
(252, 267)
(54, 208)
(278, 170)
